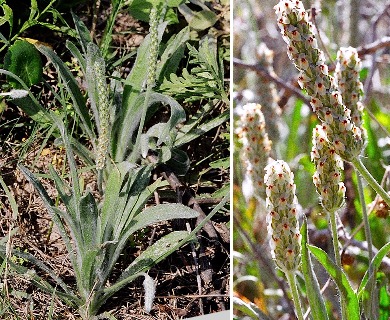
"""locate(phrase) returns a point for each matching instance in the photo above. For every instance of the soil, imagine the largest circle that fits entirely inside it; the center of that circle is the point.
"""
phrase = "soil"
(177, 295)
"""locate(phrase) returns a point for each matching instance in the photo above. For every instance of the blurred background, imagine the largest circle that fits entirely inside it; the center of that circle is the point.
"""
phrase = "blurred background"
(264, 74)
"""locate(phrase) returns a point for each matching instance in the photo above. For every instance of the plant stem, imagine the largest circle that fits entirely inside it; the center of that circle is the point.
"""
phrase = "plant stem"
(335, 240)
(294, 290)
(337, 258)
(359, 166)
(136, 150)
(372, 304)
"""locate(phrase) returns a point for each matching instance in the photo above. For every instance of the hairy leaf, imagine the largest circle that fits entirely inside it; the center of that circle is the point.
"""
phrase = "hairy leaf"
(23, 60)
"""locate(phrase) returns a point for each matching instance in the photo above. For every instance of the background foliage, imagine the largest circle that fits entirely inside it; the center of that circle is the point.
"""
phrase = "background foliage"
(340, 23)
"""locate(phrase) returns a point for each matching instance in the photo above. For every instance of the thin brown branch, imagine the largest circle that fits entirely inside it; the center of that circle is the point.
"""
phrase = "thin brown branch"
(279, 82)
(374, 46)
(324, 48)
(196, 265)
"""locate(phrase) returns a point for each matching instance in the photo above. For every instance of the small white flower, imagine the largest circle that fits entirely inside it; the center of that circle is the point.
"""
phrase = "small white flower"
(316, 104)
(320, 88)
(303, 63)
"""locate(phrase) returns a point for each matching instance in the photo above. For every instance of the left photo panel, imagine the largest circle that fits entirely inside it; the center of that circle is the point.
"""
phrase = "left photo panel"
(115, 159)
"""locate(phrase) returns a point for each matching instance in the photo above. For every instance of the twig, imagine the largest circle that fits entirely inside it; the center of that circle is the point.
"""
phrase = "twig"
(313, 18)
(368, 82)
(279, 82)
(198, 279)
(374, 46)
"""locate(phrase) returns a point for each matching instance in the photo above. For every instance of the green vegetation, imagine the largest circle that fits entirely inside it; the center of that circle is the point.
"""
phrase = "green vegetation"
(119, 131)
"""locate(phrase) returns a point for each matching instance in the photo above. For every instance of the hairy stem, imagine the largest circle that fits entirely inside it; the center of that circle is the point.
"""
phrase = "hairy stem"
(294, 290)
(370, 180)
(372, 304)
(337, 257)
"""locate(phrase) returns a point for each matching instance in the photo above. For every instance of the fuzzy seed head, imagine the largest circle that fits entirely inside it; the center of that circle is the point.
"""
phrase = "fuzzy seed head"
(282, 219)
(153, 31)
(266, 93)
(99, 98)
(303, 50)
(347, 76)
(329, 166)
(256, 146)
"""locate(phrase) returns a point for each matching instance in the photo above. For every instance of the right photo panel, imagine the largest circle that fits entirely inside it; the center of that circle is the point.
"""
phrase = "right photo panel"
(311, 155)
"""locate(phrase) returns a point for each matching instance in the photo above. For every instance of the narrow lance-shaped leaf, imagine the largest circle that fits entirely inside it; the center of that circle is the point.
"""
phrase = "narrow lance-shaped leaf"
(30, 104)
(40, 265)
(72, 88)
(82, 31)
(133, 87)
(149, 216)
(172, 55)
(314, 295)
(250, 309)
(376, 262)
(152, 255)
(341, 280)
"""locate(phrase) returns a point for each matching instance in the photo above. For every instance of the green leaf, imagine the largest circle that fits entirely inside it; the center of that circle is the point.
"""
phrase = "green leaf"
(375, 263)
(161, 212)
(76, 53)
(338, 275)
(41, 265)
(179, 162)
(11, 199)
(206, 78)
(30, 104)
(172, 54)
(57, 214)
(140, 9)
(313, 293)
(7, 17)
(82, 32)
(95, 69)
(23, 60)
(193, 129)
(47, 201)
(198, 20)
(222, 164)
(250, 309)
(110, 203)
(107, 34)
(87, 271)
(88, 220)
(152, 255)
(132, 101)
(150, 216)
(72, 88)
